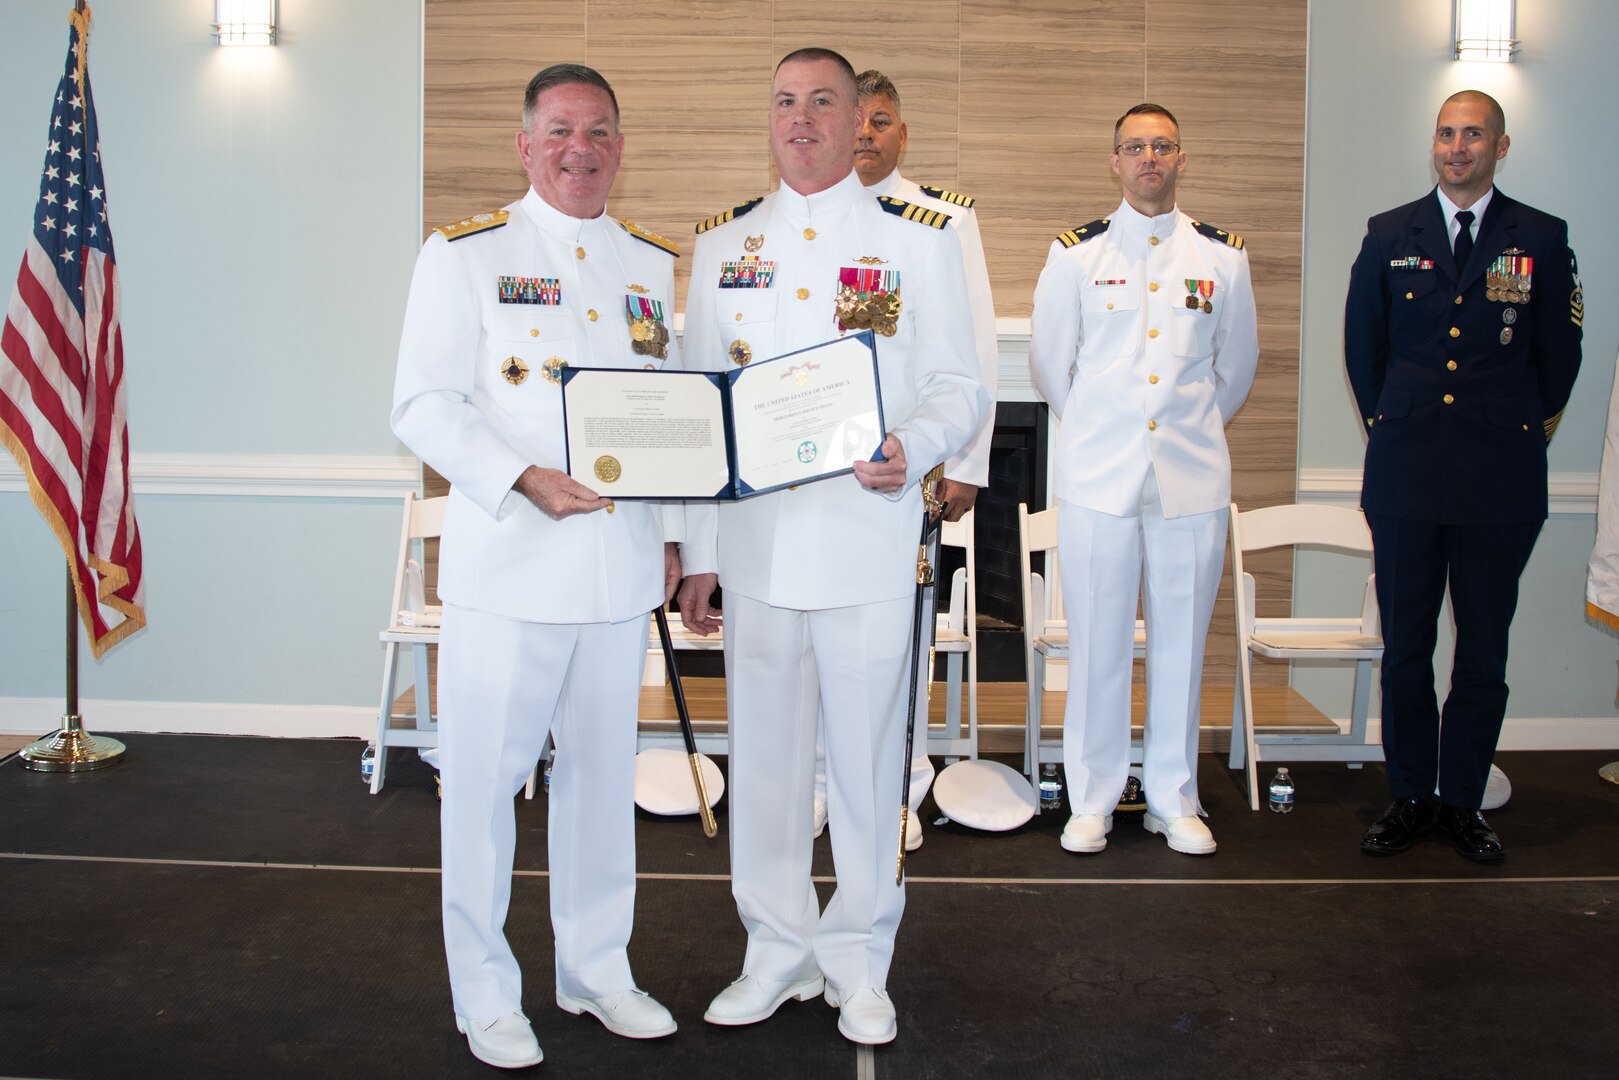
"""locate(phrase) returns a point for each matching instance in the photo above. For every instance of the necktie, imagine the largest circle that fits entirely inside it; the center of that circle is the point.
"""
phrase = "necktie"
(1464, 238)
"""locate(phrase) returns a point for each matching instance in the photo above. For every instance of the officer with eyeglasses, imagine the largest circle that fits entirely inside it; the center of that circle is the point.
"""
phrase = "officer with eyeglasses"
(1144, 343)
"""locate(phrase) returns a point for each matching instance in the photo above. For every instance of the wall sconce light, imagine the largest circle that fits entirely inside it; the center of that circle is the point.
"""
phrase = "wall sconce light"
(1486, 30)
(244, 22)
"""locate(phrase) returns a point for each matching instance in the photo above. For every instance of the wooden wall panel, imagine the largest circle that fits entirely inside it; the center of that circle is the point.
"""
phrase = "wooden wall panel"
(1012, 101)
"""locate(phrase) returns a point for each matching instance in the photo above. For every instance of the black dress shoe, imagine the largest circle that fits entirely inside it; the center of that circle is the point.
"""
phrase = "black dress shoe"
(1401, 824)
(1471, 834)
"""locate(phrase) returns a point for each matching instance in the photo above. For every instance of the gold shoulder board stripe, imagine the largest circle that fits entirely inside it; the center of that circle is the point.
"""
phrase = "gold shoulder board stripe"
(1081, 233)
(1551, 422)
(936, 219)
(947, 196)
(731, 214)
(477, 223)
(651, 237)
(1218, 235)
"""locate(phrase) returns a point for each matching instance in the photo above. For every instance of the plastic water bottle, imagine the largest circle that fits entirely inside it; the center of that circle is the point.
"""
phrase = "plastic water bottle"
(1050, 788)
(368, 763)
(1281, 792)
(549, 762)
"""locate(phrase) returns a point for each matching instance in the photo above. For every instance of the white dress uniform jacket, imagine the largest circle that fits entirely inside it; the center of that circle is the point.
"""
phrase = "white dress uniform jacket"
(463, 406)
(971, 466)
(833, 543)
(1139, 380)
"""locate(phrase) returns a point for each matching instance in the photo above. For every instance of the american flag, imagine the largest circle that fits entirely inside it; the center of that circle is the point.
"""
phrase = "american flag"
(63, 404)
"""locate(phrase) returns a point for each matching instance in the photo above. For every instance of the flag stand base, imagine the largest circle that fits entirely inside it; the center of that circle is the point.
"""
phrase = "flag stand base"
(71, 750)
(1610, 772)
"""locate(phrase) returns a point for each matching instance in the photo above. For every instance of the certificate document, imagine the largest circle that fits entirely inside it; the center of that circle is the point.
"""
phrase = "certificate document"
(790, 420)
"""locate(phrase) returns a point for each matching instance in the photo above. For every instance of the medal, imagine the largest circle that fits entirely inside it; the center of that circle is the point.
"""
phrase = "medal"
(1506, 334)
(1196, 287)
(553, 370)
(513, 370)
(740, 352)
(868, 299)
(648, 334)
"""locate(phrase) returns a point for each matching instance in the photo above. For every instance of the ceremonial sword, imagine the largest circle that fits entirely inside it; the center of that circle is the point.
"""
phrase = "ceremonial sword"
(709, 828)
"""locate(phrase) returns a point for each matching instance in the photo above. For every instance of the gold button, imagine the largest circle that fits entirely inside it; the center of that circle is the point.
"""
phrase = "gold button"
(1152, 425)
(534, 333)
(1455, 332)
(591, 314)
(1153, 379)
(809, 234)
(1449, 400)
(739, 316)
(1152, 286)
(1152, 333)
(1153, 240)
(1409, 296)
(579, 253)
(803, 294)
(1457, 300)
(1526, 427)
(1450, 364)
(611, 506)
(1110, 307)
(650, 367)
(792, 487)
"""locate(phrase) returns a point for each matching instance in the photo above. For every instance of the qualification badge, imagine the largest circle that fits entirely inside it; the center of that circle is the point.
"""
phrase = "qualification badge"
(1196, 287)
(740, 352)
(608, 469)
(754, 243)
(513, 370)
(649, 334)
(868, 299)
(553, 370)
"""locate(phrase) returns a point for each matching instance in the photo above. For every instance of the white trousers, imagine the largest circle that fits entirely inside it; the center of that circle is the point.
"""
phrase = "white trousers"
(784, 669)
(1103, 558)
(503, 684)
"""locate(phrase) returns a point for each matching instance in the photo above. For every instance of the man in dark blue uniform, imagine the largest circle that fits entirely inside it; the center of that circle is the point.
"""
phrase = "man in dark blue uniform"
(1462, 340)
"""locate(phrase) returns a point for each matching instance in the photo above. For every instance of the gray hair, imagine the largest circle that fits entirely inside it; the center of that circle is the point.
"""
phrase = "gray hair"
(871, 83)
(563, 75)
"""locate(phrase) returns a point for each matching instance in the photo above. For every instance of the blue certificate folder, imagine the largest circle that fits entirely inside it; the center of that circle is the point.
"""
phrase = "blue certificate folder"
(793, 419)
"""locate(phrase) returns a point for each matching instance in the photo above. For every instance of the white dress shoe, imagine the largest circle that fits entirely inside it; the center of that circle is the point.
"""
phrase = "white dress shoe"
(1086, 834)
(913, 832)
(819, 814)
(632, 1013)
(865, 1016)
(506, 1043)
(753, 998)
(1187, 835)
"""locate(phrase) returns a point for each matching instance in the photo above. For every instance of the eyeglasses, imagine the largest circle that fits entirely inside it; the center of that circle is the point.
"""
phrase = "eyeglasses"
(1161, 148)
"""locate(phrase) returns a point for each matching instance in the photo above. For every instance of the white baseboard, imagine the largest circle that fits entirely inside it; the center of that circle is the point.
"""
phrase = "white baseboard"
(37, 716)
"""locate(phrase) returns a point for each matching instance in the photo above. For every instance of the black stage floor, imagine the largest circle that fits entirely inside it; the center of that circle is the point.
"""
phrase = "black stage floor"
(220, 907)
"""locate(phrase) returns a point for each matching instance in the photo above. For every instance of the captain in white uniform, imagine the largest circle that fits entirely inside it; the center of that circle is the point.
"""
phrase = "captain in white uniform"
(546, 587)
(1144, 344)
(882, 142)
(819, 581)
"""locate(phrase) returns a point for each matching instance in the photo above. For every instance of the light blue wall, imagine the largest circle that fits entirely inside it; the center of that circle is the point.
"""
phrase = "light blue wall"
(266, 210)
(1378, 72)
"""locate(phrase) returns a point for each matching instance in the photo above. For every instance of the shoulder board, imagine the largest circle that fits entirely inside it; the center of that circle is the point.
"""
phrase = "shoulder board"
(1219, 236)
(937, 219)
(734, 212)
(947, 196)
(477, 223)
(649, 237)
(1085, 232)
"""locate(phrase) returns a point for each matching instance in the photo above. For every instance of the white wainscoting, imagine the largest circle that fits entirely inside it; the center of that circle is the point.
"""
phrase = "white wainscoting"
(262, 475)
(37, 716)
(1570, 493)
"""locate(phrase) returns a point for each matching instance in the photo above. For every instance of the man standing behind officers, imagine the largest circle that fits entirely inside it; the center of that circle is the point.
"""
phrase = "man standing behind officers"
(546, 587)
(819, 580)
(1462, 341)
(1144, 343)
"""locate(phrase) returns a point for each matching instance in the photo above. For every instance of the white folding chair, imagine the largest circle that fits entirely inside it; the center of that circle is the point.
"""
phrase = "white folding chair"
(413, 624)
(956, 639)
(1045, 633)
(1355, 639)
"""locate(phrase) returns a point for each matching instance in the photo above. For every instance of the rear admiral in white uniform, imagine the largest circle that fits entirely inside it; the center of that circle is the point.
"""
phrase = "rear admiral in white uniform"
(819, 581)
(1144, 344)
(546, 587)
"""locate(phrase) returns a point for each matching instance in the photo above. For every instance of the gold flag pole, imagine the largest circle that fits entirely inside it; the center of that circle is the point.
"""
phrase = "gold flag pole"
(71, 749)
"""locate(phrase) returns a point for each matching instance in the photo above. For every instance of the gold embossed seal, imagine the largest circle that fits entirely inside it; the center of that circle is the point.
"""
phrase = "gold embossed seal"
(608, 469)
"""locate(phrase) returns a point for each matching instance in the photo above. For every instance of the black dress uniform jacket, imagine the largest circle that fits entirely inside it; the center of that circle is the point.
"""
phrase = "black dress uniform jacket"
(1460, 393)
